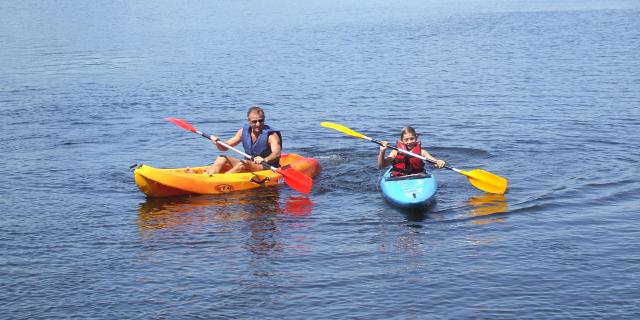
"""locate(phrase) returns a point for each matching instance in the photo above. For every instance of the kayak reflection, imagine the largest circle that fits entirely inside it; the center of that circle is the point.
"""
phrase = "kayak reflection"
(487, 205)
(257, 218)
(161, 213)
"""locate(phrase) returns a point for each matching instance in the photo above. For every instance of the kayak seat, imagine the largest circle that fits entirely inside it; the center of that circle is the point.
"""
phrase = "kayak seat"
(409, 177)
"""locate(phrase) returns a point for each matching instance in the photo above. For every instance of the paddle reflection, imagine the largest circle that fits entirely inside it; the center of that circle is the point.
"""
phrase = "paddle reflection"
(261, 211)
(298, 206)
(486, 205)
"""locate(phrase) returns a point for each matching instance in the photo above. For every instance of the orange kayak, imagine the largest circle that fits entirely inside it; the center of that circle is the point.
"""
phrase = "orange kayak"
(155, 182)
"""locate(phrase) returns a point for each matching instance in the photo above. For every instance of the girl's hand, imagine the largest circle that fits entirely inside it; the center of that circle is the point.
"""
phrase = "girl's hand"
(440, 163)
(384, 145)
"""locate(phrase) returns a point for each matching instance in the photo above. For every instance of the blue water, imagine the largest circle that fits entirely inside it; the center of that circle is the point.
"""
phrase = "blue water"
(544, 93)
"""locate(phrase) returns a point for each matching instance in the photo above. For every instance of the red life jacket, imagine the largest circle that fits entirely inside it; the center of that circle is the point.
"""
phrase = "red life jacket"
(404, 164)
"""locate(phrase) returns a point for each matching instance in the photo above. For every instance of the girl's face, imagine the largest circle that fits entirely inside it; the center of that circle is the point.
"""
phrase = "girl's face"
(409, 140)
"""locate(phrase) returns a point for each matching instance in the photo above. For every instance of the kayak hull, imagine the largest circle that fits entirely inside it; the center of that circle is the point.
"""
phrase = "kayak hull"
(409, 192)
(156, 183)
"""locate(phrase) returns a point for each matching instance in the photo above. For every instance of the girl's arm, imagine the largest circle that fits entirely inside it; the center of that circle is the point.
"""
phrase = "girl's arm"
(382, 161)
(438, 163)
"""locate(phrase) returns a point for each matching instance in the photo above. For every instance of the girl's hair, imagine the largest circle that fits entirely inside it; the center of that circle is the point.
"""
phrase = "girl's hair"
(255, 109)
(406, 130)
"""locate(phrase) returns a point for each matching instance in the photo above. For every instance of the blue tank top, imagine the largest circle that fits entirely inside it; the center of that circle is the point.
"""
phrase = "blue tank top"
(261, 147)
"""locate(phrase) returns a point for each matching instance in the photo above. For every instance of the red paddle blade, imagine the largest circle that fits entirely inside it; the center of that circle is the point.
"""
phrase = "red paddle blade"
(181, 123)
(296, 179)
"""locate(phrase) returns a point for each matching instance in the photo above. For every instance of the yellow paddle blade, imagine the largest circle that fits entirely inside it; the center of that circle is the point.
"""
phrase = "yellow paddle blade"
(344, 129)
(486, 181)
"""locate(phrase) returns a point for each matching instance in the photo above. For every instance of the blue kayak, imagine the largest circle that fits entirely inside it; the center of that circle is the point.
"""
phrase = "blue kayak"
(409, 192)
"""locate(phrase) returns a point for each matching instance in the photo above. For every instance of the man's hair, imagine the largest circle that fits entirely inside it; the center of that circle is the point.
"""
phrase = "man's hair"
(255, 109)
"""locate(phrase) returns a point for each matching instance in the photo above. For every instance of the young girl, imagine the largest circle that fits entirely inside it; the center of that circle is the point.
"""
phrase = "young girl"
(404, 164)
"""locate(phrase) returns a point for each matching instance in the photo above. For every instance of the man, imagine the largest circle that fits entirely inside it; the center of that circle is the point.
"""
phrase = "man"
(258, 139)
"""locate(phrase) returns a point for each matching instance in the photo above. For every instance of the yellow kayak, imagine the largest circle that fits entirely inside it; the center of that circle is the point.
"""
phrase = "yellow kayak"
(155, 182)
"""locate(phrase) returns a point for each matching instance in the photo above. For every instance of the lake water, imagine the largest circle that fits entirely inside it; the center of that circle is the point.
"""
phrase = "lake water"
(544, 93)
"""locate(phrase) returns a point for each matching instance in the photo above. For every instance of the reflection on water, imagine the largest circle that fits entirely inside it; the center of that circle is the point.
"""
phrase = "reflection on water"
(259, 211)
(163, 213)
(486, 205)
(414, 216)
(298, 206)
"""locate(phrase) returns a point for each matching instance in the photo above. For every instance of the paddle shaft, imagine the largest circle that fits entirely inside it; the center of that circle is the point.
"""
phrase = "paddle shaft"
(410, 153)
(208, 137)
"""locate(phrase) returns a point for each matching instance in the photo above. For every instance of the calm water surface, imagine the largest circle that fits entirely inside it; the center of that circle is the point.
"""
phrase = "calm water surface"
(543, 93)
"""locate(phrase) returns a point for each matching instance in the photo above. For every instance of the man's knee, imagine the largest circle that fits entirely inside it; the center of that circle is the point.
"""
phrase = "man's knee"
(222, 159)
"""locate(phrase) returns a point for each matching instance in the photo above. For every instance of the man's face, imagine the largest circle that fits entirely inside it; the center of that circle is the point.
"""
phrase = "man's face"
(256, 121)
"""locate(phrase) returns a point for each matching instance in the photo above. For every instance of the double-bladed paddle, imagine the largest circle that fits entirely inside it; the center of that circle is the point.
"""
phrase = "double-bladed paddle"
(483, 180)
(292, 177)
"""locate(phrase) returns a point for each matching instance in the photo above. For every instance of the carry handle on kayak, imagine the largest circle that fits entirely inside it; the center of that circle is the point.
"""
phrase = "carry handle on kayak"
(483, 180)
(292, 177)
